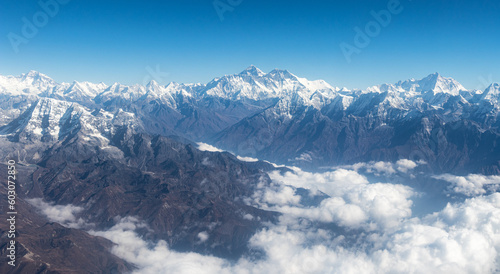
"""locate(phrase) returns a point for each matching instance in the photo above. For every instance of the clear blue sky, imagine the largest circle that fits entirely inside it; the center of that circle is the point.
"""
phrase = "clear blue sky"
(115, 41)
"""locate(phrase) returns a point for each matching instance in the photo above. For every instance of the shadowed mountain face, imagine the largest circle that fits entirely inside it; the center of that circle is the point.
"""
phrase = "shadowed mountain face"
(176, 189)
(313, 138)
(48, 247)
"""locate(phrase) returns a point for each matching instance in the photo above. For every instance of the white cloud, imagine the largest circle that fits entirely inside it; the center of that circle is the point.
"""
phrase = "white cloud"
(157, 258)
(333, 183)
(471, 185)
(63, 214)
(207, 147)
(210, 148)
(353, 201)
(306, 157)
(462, 238)
(283, 196)
(248, 216)
(203, 236)
(386, 168)
(405, 165)
(247, 159)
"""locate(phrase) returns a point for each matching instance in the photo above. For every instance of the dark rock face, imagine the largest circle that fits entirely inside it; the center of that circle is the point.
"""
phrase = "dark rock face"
(330, 136)
(195, 119)
(46, 247)
(176, 189)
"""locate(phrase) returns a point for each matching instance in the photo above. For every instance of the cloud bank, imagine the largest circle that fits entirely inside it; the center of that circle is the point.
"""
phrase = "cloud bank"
(471, 185)
(358, 226)
(462, 238)
(353, 201)
(386, 168)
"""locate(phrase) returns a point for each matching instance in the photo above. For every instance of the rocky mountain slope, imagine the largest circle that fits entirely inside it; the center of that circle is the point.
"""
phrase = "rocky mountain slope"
(179, 193)
(48, 247)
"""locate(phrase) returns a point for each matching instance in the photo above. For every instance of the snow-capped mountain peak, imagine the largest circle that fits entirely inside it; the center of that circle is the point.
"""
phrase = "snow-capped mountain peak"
(31, 83)
(252, 71)
(439, 84)
(33, 74)
(153, 85)
(279, 74)
(492, 92)
(433, 82)
(164, 93)
(88, 88)
(251, 84)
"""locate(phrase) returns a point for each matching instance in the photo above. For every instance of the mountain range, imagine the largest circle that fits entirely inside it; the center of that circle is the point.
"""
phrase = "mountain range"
(111, 152)
(274, 116)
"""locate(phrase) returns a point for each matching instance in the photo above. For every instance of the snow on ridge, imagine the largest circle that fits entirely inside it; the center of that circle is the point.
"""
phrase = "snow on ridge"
(250, 84)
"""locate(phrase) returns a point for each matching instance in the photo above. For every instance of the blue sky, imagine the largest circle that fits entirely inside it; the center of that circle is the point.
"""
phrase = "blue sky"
(186, 41)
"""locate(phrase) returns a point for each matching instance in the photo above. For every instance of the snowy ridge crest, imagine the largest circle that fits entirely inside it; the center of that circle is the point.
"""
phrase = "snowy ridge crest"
(252, 84)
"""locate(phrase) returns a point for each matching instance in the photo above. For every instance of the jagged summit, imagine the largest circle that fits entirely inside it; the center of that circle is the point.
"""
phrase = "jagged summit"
(34, 74)
(435, 83)
(275, 73)
(37, 78)
(152, 83)
(281, 73)
(250, 84)
(252, 71)
(256, 85)
(492, 92)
